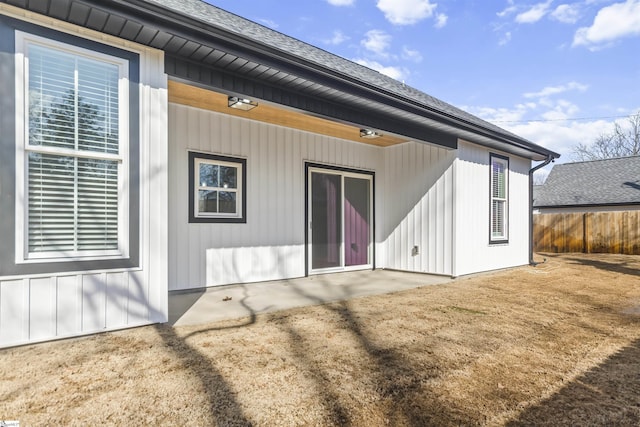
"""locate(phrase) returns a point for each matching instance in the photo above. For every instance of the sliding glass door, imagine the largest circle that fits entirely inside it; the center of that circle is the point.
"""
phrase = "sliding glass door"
(340, 220)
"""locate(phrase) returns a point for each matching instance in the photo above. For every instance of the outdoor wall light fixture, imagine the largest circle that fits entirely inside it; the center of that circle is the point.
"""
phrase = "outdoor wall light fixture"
(369, 134)
(242, 103)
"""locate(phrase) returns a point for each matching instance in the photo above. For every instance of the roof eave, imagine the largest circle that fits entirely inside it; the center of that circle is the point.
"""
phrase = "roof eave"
(165, 19)
(518, 146)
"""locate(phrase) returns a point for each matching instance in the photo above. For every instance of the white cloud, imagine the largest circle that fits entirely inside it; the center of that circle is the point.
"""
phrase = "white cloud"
(562, 110)
(338, 38)
(534, 14)
(269, 23)
(441, 20)
(508, 10)
(552, 123)
(411, 55)
(566, 13)
(406, 12)
(341, 2)
(506, 38)
(560, 136)
(554, 130)
(499, 115)
(377, 41)
(611, 23)
(554, 90)
(555, 126)
(393, 72)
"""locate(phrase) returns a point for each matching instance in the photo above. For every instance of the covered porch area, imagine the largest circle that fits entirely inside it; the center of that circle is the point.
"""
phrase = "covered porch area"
(250, 299)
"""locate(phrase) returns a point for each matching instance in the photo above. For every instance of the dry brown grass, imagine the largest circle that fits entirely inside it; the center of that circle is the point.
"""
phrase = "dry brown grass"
(558, 344)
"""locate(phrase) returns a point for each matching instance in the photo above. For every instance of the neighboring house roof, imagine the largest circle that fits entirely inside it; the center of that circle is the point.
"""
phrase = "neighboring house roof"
(255, 61)
(592, 183)
(537, 189)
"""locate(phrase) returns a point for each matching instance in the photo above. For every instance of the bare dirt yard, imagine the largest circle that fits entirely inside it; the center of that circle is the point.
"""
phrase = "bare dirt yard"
(558, 344)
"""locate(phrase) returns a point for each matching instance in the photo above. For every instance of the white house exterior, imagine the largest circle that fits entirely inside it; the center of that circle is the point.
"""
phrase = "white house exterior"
(125, 174)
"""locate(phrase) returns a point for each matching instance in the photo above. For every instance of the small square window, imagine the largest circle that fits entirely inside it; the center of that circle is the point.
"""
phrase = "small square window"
(217, 188)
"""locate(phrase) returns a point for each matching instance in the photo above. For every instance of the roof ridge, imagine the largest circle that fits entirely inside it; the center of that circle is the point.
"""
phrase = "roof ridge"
(635, 156)
(287, 36)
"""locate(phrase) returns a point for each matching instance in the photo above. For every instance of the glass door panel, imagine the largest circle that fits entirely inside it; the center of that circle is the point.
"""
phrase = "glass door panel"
(357, 228)
(340, 220)
(326, 220)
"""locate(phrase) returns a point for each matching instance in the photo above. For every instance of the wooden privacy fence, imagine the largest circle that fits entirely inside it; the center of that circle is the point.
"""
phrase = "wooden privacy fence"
(594, 232)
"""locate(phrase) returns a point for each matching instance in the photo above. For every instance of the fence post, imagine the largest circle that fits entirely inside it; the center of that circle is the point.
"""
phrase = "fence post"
(587, 234)
(584, 233)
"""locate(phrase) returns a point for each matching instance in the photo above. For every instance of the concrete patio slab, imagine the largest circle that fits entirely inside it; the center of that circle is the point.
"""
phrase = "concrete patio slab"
(235, 301)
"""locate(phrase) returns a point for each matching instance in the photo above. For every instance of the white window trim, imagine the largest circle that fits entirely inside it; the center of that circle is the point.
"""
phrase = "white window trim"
(197, 187)
(505, 226)
(22, 40)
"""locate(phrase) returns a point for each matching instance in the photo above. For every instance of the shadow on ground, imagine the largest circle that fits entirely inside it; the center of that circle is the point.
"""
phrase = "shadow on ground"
(607, 395)
(395, 378)
(588, 260)
(224, 408)
(179, 306)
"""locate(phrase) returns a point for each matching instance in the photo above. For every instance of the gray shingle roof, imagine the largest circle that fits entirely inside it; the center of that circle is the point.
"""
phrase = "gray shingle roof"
(598, 182)
(219, 18)
(537, 189)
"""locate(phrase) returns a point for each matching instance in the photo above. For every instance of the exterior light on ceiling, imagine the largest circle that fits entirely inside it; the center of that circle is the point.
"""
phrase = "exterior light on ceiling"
(369, 134)
(242, 103)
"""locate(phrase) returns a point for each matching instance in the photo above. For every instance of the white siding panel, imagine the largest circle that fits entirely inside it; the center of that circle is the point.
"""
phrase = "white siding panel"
(271, 244)
(155, 190)
(178, 217)
(94, 297)
(138, 308)
(69, 305)
(418, 208)
(117, 299)
(42, 304)
(473, 251)
(14, 311)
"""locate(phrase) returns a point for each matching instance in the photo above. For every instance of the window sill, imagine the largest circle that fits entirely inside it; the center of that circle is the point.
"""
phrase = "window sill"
(74, 258)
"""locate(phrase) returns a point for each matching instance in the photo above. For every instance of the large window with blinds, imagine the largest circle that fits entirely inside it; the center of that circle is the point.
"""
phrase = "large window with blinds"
(499, 199)
(74, 151)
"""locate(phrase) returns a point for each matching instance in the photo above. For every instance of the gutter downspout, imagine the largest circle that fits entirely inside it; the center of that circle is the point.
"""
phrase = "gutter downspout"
(548, 160)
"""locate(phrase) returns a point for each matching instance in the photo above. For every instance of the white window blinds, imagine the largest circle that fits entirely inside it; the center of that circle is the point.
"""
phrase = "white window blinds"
(73, 153)
(499, 191)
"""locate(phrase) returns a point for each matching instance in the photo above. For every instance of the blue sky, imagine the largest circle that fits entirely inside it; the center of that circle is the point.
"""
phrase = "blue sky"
(555, 72)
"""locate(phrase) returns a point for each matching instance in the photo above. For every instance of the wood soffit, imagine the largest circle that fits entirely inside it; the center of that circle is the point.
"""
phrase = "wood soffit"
(181, 93)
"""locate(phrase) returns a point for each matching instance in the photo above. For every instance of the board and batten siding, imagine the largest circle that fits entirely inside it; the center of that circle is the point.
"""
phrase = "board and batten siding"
(44, 307)
(271, 245)
(473, 253)
(418, 211)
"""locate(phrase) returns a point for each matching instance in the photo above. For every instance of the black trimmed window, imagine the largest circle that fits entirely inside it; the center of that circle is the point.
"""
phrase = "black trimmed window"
(499, 199)
(217, 188)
